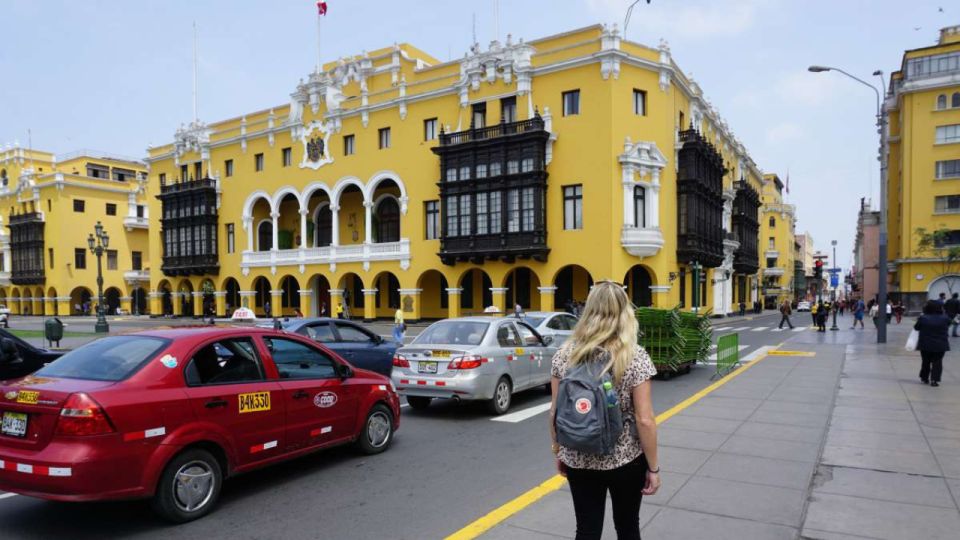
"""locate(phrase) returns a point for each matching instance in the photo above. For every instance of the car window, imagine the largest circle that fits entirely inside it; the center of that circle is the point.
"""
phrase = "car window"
(319, 332)
(507, 336)
(296, 360)
(533, 321)
(352, 334)
(557, 323)
(528, 336)
(453, 333)
(223, 362)
(570, 320)
(106, 359)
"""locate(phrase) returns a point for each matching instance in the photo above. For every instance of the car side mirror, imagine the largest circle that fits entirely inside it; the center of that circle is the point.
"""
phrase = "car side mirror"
(344, 371)
(8, 352)
(547, 340)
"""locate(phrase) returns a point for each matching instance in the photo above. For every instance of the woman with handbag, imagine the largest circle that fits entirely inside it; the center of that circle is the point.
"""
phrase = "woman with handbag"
(932, 342)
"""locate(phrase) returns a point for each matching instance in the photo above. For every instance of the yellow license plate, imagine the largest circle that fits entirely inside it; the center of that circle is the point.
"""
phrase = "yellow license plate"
(440, 354)
(27, 396)
(254, 401)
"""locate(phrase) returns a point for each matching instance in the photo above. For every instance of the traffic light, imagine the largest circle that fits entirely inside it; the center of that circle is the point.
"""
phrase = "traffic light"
(818, 269)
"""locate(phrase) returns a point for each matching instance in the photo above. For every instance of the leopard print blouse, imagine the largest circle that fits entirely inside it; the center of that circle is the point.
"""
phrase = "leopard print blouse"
(628, 445)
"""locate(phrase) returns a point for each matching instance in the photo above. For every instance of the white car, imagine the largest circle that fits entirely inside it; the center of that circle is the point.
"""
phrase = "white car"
(556, 324)
(803, 306)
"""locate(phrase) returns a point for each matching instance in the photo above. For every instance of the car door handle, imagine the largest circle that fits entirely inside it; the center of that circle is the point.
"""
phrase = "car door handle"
(214, 403)
(301, 395)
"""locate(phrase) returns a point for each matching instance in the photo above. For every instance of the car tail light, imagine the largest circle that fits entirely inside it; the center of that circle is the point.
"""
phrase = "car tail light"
(81, 415)
(467, 362)
(400, 361)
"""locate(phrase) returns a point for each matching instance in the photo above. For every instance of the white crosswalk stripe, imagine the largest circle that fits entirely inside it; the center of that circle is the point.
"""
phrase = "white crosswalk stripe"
(760, 329)
(800, 329)
(523, 414)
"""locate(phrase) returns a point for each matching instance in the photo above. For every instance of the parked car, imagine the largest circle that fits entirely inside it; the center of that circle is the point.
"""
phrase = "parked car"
(358, 345)
(168, 414)
(803, 306)
(19, 358)
(473, 358)
(4, 316)
(558, 325)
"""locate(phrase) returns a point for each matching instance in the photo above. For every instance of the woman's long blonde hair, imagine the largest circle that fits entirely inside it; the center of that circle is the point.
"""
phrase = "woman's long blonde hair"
(608, 323)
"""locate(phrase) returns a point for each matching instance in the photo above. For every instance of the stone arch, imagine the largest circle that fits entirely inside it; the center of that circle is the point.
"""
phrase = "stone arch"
(263, 233)
(387, 299)
(138, 301)
(282, 193)
(290, 298)
(522, 284)
(475, 294)
(343, 184)
(638, 281)
(946, 283)
(379, 177)
(252, 199)
(434, 301)
(287, 212)
(111, 300)
(231, 288)
(311, 189)
(352, 286)
(26, 302)
(573, 284)
(320, 286)
(39, 302)
(261, 286)
(81, 300)
(386, 212)
(51, 294)
(185, 290)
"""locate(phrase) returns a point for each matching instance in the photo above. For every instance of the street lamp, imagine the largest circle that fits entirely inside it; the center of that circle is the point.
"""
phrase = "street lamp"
(882, 255)
(833, 287)
(97, 246)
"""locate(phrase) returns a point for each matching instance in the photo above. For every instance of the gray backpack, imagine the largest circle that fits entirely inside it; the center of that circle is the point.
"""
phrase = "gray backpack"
(588, 415)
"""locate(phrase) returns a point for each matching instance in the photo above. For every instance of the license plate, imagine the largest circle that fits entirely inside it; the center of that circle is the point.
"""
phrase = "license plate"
(440, 354)
(14, 424)
(427, 367)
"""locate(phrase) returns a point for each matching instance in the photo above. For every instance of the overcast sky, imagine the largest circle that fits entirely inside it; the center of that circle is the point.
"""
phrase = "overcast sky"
(117, 75)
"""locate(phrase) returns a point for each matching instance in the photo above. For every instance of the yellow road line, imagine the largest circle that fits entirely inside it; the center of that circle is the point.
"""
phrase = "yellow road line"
(494, 518)
(792, 353)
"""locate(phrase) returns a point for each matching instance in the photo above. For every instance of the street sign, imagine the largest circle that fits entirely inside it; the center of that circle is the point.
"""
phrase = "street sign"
(834, 279)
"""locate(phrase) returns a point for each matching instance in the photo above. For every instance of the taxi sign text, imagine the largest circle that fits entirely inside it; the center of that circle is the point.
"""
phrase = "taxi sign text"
(253, 402)
(28, 396)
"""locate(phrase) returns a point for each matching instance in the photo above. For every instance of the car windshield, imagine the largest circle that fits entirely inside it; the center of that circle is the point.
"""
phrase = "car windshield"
(533, 321)
(454, 333)
(106, 359)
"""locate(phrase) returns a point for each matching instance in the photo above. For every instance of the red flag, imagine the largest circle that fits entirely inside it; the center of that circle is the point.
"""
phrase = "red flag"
(321, 7)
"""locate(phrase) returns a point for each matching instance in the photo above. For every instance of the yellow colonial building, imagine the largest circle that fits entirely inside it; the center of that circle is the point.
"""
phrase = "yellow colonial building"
(49, 205)
(518, 174)
(779, 243)
(922, 115)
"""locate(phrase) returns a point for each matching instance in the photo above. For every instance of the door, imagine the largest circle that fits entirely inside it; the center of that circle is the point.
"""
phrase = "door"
(321, 408)
(320, 332)
(361, 347)
(536, 355)
(511, 352)
(227, 386)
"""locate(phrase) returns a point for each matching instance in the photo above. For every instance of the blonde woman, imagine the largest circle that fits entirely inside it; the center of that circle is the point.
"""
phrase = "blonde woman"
(607, 332)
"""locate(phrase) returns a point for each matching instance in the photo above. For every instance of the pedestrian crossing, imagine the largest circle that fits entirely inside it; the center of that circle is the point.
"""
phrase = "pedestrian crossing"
(758, 329)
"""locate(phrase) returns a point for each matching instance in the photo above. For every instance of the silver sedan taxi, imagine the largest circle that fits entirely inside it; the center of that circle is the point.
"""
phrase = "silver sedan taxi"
(556, 324)
(473, 358)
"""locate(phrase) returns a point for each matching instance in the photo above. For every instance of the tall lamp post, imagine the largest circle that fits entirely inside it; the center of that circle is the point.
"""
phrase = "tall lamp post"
(98, 244)
(882, 255)
(833, 294)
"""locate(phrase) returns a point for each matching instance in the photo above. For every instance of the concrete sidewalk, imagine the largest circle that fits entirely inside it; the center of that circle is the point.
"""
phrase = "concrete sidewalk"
(840, 445)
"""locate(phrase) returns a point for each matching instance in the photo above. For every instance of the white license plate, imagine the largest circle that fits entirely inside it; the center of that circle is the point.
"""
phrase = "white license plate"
(14, 424)
(426, 367)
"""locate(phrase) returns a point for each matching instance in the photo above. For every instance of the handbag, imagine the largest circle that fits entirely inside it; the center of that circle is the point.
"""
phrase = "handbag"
(912, 340)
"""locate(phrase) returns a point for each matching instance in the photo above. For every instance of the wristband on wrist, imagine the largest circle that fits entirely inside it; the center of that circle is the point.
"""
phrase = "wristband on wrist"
(654, 471)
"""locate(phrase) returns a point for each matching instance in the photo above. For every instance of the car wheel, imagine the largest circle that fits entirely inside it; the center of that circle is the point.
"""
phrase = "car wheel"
(189, 486)
(418, 403)
(377, 431)
(502, 396)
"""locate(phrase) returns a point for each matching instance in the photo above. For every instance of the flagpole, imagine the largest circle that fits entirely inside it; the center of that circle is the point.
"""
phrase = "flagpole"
(196, 76)
(319, 63)
(496, 16)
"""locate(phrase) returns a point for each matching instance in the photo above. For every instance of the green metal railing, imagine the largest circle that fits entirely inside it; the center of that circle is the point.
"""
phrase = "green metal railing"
(728, 354)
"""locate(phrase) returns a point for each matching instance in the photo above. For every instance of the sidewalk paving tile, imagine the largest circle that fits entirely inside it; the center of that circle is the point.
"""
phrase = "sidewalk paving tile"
(881, 460)
(675, 524)
(771, 448)
(886, 486)
(758, 470)
(945, 433)
(506, 531)
(768, 504)
(701, 423)
(671, 482)
(881, 519)
(685, 438)
(945, 444)
(710, 410)
(790, 418)
(868, 412)
(950, 463)
(796, 407)
(892, 427)
(681, 460)
(802, 395)
(880, 441)
(781, 432)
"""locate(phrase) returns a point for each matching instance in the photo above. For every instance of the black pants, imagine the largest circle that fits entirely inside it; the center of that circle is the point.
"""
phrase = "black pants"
(589, 490)
(785, 318)
(931, 365)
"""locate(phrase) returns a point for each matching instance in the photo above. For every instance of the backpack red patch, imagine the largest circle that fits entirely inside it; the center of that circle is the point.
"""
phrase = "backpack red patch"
(583, 405)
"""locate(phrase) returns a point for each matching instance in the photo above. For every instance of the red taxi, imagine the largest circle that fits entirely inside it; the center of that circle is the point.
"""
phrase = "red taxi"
(169, 414)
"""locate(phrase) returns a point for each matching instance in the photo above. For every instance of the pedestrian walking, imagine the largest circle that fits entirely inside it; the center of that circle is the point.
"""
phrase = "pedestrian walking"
(785, 311)
(898, 311)
(942, 300)
(518, 311)
(266, 308)
(339, 310)
(813, 314)
(889, 310)
(743, 308)
(399, 327)
(951, 308)
(932, 343)
(822, 312)
(323, 309)
(858, 309)
(874, 312)
(607, 334)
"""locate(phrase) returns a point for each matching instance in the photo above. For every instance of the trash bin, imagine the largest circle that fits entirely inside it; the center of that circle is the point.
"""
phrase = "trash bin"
(53, 331)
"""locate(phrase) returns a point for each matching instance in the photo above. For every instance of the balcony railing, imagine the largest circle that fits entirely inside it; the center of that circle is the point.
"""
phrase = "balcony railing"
(28, 217)
(641, 242)
(134, 276)
(188, 185)
(383, 251)
(490, 132)
(134, 222)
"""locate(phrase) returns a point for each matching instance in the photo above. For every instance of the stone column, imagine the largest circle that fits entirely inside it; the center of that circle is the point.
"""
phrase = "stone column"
(176, 299)
(499, 298)
(368, 222)
(547, 298)
(303, 229)
(276, 302)
(453, 302)
(63, 306)
(156, 303)
(274, 216)
(336, 297)
(127, 302)
(247, 299)
(410, 304)
(306, 302)
(660, 296)
(369, 304)
(39, 303)
(220, 299)
(248, 225)
(198, 304)
(334, 227)
(50, 306)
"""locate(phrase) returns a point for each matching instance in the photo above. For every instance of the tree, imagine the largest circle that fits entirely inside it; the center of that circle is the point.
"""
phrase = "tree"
(940, 245)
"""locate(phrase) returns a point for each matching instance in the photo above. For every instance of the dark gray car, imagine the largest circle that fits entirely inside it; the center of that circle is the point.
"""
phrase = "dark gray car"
(352, 341)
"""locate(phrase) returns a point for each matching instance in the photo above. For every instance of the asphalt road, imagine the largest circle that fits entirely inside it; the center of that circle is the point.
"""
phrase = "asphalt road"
(448, 466)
